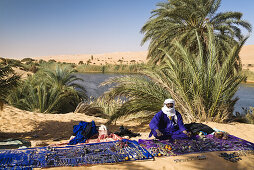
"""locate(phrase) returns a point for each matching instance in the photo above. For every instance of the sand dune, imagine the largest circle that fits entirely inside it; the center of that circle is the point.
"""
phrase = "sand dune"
(247, 57)
(98, 59)
(246, 54)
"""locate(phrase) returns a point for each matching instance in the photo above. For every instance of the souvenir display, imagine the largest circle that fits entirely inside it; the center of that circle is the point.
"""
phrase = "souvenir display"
(207, 143)
(122, 150)
(79, 155)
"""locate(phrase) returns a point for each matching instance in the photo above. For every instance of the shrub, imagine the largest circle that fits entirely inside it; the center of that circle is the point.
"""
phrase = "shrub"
(49, 91)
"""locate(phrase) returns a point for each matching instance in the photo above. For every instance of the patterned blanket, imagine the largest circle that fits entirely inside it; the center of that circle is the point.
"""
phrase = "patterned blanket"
(73, 155)
(198, 145)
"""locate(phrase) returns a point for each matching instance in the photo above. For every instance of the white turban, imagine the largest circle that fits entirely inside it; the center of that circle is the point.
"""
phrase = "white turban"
(170, 112)
(167, 101)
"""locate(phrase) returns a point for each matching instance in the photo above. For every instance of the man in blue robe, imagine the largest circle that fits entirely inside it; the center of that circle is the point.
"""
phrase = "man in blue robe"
(168, 123)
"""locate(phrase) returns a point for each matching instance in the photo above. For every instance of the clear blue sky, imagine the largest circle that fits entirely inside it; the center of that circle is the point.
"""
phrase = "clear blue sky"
(54, 27)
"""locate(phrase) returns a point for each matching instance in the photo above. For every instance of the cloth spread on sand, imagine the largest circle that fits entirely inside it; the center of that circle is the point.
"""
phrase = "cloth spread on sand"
(198, 145)
(74, 155)
(83, 131)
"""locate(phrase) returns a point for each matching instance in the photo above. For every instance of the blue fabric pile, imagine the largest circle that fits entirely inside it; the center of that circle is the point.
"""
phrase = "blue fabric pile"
(83, 131)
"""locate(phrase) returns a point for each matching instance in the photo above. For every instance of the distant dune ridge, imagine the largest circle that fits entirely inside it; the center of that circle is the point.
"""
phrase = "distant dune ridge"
(98, 59)
(246, 54)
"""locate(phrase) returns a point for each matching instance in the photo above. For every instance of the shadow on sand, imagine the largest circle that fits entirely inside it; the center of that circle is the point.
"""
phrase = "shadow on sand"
(55, 130)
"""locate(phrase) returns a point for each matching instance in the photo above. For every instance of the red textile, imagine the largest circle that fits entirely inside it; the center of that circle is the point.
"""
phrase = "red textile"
(104, 138)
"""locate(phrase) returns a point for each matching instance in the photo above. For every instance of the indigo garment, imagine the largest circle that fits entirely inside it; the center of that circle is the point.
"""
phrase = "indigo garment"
(170, 129)
(83, 131)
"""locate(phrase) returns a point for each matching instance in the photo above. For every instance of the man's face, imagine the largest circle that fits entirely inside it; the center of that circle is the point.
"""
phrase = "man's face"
(170, 105)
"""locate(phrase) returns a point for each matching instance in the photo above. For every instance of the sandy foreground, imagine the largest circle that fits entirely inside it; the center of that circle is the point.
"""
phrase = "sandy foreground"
(43, 129)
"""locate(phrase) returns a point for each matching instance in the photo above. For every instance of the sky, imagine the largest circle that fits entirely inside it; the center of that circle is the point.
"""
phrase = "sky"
(31, 28)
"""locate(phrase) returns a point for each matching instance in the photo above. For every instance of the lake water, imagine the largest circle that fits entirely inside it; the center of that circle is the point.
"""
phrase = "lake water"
(93, 80)
(246, 97)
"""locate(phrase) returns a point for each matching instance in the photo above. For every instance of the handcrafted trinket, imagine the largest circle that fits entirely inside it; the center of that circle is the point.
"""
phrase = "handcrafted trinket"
(201, 157)
(209, 143)
(233, 157)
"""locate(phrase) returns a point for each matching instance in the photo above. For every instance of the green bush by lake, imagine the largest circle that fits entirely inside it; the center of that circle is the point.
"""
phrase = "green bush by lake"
(110, 68)
(50, 90)
(249, 74)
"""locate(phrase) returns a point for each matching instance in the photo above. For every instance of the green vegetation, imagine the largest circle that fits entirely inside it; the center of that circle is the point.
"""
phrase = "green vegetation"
(181, 19)
(194, 53)
(202, 86)
(246, 117)
(26, 64)
(142, 93)
(8, 80)
(110, 68)
(48, 91)
(108, 108)
(249, 74)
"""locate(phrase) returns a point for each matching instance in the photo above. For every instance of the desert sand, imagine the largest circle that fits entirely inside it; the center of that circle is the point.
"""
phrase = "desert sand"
(98, 59)
(246, 55)
(43, 129)
(22, 73)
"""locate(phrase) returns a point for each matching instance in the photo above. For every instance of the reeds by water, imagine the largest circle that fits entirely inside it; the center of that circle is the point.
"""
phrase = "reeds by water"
(249, 74)
(110, 68)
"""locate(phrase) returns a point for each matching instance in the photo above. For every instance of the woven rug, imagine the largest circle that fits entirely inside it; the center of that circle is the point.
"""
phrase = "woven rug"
(198, 145)
(73, 155)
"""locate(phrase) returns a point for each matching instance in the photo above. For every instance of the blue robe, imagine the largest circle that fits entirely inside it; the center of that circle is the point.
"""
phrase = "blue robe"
(169, 128)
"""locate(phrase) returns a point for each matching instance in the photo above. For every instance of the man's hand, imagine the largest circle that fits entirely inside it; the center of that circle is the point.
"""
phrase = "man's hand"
(158, 133)
(187, 133)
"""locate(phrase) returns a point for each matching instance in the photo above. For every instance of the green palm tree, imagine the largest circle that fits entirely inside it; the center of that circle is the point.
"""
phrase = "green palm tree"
(181, 19)
(140, 93)
(8, 80)
(64, 76)
(43, 98)
(202, 87)
(50, 91)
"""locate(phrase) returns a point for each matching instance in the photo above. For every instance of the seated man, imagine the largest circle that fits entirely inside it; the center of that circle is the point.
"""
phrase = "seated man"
(168, 123)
